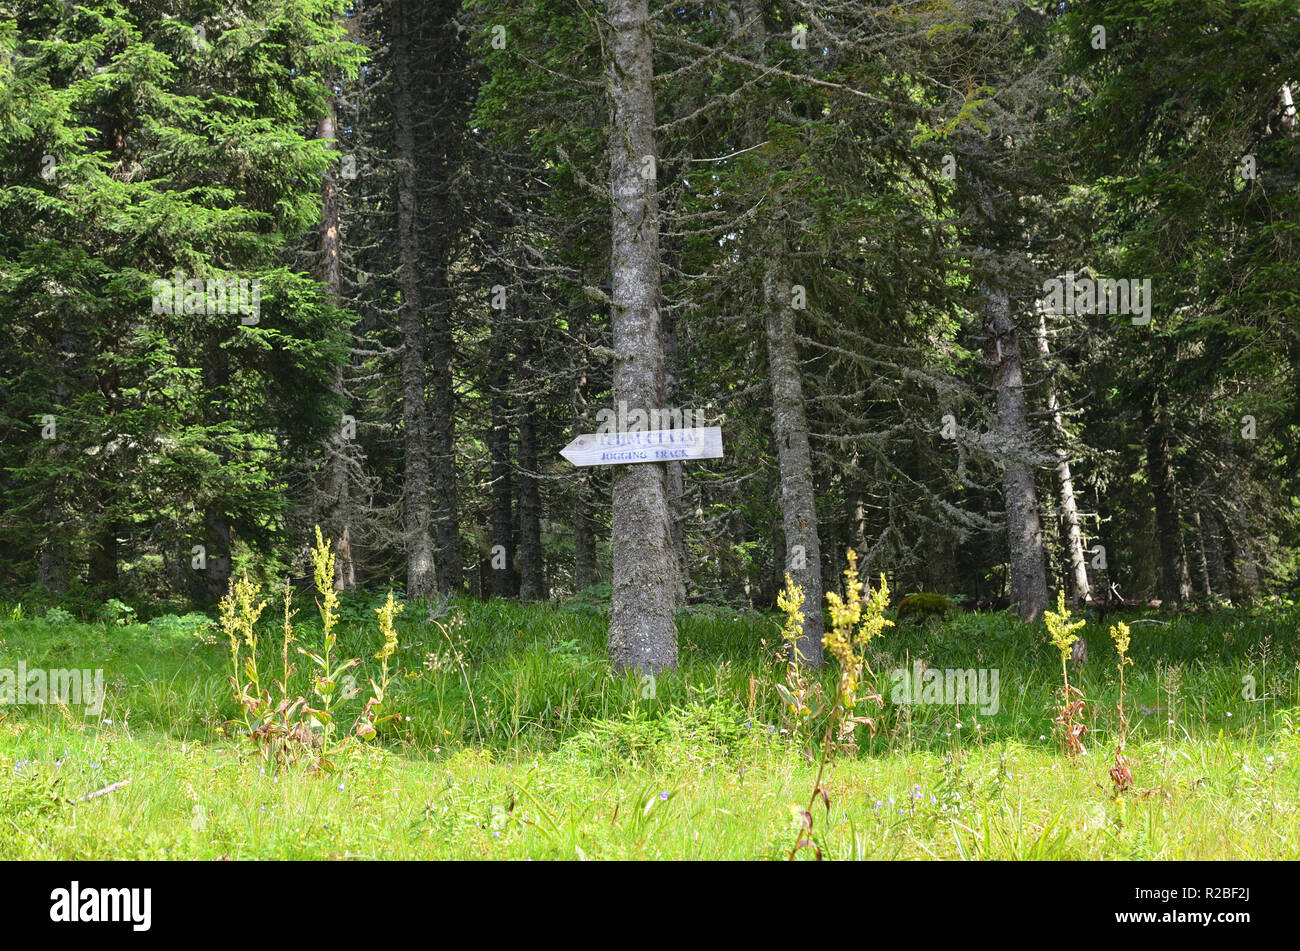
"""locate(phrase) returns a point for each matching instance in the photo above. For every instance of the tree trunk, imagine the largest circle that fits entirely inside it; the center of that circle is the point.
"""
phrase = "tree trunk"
(794, 458)
(531, 575)
(442, 431)
(676, 475)
(103, 560)
(1176, 585)
(1213, 542)
(338, 501)
(642, 632)
(217, 544)
(777, 577)
(1071, 531)
(420, 574)
(1243, 576)
(216, 521)
(1200, 559)
(502, 554)
(52, 569)
(1027, 564)
(55, 552)
(856, 511)
(585, 570)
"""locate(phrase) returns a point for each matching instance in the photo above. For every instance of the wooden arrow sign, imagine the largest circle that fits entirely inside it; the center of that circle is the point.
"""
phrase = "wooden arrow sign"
(655, 445)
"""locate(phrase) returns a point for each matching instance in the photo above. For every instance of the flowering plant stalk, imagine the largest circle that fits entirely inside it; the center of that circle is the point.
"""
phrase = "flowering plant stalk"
(854, 624)
(1120, 774)
(1062, 633)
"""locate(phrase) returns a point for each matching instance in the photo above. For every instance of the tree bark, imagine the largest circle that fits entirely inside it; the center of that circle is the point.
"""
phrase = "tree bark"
(531, 573)
(642, 632)
(585, 570)
(502, 555)
(1176, 585)
(103, 559)
(1028, 574)
(794, 458)
(216, 521)
(55, 552)
(1213, 542)
(442, 431)
(675, 471)
(338, 495)
(1072, 533)
(52, 568)
(1243, 576)
(420, 574)
(1200, 560)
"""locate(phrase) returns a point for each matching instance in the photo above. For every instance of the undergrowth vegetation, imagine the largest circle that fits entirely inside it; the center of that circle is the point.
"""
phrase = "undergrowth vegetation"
(510, 737)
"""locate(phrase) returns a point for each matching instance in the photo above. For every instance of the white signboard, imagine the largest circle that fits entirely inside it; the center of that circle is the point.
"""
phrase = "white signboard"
(655, 445)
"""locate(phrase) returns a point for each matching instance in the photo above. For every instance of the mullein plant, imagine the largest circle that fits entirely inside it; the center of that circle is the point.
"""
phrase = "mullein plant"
(1062, 632)
(292, 729)
(237, 615)
(1120, 774)
(798, 695)
(854, 624)
(273, 728)
(327, 675)
(366, 724)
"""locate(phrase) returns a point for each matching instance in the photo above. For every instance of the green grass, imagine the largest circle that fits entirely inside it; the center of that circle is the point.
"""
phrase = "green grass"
(558, 758)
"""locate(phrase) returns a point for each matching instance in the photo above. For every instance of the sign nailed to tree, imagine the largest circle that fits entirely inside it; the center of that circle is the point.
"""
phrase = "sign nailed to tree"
(655, 445)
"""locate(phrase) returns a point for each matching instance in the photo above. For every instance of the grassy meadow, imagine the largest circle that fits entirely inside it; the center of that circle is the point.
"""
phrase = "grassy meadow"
(514, 741)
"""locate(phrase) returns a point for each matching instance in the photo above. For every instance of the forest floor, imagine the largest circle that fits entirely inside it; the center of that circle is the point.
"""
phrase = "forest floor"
(556, 758)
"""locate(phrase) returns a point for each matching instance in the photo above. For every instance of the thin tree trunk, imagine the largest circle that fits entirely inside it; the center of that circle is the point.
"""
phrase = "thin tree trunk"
(1213, 541)
(1176, 585)
(502, 495)
(794, 458)
(55, 552)
(531, 574)
(531, 580)
(337, 488)
(676, 475)
(217, 531)
(800, 544)
(442, 433)
(778, 542)
(52, 569)
(856, 511)
(585, 570)
(1243, 576)
(642, 631)
(420, 574)
(1027, 563)
(1071, 531)
(1200, 560)
(103, 559)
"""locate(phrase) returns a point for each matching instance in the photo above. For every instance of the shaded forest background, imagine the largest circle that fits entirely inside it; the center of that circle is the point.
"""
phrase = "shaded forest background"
(859, 206)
